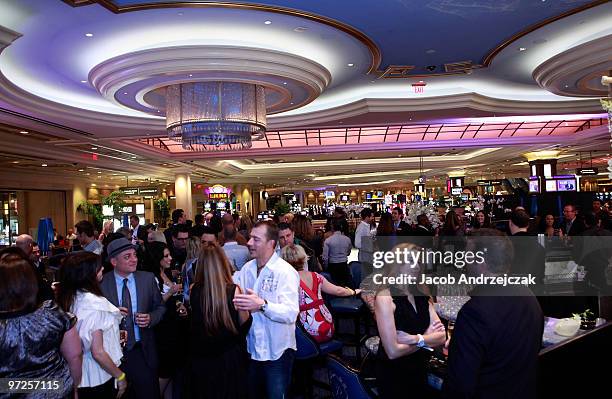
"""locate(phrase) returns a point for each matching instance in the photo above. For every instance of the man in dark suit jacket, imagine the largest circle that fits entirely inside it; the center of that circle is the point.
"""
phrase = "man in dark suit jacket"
(494, 350)
(571, 225)
(529, 255)
(137, 296)
(401, 227)
(422, 235)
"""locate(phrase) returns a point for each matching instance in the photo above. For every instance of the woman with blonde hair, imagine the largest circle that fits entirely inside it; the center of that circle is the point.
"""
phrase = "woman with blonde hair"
(193, 246)
(107, 230)
(218, 331)
(314, 315)
(408, 327)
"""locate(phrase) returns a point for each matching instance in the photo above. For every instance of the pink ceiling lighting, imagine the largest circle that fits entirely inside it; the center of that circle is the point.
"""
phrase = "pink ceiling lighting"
(380, 135)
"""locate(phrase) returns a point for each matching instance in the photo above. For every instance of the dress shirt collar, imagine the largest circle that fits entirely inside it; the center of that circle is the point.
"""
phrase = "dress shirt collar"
(119, 279)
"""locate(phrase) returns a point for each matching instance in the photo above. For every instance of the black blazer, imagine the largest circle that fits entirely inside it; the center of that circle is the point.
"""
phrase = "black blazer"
(494, 349)
(575, 230)
(403, 229)
(529, 256)
(149, 301)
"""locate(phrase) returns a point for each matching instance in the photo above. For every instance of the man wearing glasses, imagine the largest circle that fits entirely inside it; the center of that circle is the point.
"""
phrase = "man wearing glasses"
(180, 235)
(571, 226)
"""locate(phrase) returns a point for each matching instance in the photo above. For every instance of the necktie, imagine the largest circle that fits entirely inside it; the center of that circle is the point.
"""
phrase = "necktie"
(126, 301)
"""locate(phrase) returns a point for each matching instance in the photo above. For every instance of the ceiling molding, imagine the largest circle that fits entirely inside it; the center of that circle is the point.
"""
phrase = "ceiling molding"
(291, 81)
(411, 105)
(7, 37)
(488, 59)
(569, 73)
(355, 33)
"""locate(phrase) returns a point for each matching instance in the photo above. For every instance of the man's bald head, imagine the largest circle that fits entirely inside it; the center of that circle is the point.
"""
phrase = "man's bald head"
(25, 241)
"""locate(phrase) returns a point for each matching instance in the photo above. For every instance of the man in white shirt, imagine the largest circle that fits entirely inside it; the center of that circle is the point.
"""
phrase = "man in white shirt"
(336, 250)
(271, 287)
(364, 231)
(135, 224)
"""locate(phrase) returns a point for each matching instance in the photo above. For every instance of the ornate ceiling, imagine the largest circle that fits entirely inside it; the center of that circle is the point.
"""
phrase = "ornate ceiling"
(339, 77)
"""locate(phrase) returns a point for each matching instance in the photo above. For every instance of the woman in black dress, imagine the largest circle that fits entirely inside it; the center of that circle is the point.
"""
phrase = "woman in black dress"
(407, 324)
(169, 332)
(219, 358)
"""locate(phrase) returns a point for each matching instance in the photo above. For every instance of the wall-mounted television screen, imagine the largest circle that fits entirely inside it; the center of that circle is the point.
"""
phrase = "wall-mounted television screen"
(330, 194)
(566, 185)
(456, 190)
(368, 196)
(551, 185)
(344, 198)
(534, 185)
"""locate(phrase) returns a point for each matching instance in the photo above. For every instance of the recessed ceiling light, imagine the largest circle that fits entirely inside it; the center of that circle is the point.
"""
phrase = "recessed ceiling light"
(18, 161)
(99, 172)
(190, 75)
(83, 81)
(267, 22)
(24, 132)
(284, 83)
(89, 34)
(522, 48)
(94, 148)
(125, 92)
(133, 156)
(44, 164)
(180, 14)
(350, 64)
(81, 170)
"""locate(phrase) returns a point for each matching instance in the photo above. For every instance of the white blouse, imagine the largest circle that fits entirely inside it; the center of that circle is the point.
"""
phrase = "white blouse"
(165, 287)
(97, 313)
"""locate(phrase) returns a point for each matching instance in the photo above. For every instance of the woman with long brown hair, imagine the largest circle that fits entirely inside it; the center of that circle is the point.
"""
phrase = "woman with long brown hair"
(302, 228)
(36, 341)
(385, 233)
(218, 330)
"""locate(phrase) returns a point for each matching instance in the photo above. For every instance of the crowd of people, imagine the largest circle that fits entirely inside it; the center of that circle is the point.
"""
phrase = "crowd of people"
(208, 309)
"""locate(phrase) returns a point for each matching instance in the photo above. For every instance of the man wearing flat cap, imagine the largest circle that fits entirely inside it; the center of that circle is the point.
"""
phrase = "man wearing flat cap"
(137, 296)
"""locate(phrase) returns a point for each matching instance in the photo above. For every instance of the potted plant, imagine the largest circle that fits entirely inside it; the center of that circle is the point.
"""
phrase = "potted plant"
(115, 200)
(587, 319)
(162, 208)
(92, 210)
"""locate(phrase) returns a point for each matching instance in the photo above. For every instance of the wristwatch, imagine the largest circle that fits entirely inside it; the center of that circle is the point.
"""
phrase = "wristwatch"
(264, 306)
(421, 343)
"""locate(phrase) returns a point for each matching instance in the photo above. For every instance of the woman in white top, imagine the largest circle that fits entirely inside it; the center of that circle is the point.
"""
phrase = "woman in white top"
(97, 324)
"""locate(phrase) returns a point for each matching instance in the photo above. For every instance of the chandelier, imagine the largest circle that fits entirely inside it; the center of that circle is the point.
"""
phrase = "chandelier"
(215, 116)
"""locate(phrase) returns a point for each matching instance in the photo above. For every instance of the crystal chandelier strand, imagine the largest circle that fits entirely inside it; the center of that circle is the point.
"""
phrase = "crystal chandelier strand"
(215, 116)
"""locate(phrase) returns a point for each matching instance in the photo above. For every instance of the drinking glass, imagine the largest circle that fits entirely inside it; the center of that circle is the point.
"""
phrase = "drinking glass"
(450, 329)
(123, 334)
